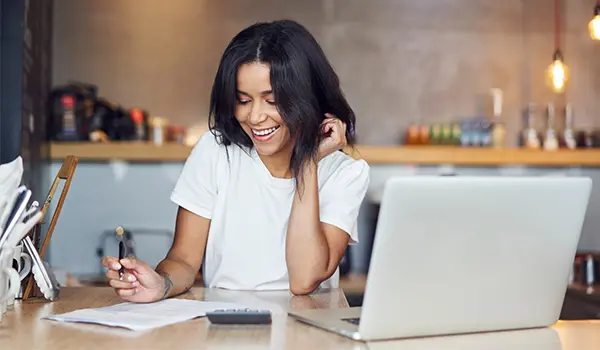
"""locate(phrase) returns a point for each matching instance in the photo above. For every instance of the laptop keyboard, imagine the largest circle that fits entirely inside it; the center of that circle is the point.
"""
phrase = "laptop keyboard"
(353, 320)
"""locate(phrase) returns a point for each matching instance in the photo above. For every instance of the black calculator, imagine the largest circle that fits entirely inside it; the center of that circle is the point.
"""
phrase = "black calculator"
(239, 316)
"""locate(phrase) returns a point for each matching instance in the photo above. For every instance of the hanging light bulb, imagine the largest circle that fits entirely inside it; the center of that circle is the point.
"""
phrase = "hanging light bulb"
(594, 25)
(557, 73)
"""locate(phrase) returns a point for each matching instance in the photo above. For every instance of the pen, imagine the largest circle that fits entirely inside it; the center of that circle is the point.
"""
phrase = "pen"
(120, 232)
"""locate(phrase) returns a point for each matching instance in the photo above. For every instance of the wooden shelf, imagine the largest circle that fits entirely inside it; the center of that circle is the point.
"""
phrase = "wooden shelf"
(417, 155)
(476, 156)
(127, 151)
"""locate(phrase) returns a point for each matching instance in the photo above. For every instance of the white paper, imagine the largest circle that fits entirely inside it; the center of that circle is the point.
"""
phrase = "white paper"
(144, 316)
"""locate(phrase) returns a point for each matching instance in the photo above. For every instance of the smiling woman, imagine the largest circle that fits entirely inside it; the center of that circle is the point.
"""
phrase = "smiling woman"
(265, 198)
(271, 72)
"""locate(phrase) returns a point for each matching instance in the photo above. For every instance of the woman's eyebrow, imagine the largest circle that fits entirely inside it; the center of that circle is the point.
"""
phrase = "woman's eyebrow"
(266, 92)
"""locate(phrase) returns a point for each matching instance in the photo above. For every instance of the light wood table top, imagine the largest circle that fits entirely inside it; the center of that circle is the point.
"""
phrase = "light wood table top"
(22, 328)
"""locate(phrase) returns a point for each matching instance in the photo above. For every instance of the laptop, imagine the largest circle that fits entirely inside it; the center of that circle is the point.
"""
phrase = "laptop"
(455, 255)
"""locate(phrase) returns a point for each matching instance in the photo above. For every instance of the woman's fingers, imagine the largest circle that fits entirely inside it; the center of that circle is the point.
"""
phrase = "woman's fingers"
(339, 133)
(112, 275)
(327, 127)
(118, 284)
(331, 122)
(125, 292)
(111, 262)
(115, 275)
(128, 281)
(135, 265)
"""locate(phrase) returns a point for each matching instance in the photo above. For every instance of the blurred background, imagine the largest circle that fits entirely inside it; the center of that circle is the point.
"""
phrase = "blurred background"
(446, 87)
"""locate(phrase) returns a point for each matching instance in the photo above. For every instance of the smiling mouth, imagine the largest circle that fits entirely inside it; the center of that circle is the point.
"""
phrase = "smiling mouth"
(264, 134)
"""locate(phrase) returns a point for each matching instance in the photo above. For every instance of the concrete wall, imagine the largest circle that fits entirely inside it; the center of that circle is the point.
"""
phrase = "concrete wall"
(398, 60)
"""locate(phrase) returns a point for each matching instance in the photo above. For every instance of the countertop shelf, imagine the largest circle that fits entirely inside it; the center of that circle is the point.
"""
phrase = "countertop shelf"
(417, 155)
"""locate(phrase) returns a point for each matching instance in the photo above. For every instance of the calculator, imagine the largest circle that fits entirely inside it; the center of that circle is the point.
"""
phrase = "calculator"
(239, 316)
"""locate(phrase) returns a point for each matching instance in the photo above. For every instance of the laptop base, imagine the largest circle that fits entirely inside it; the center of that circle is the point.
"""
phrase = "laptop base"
(333, 321)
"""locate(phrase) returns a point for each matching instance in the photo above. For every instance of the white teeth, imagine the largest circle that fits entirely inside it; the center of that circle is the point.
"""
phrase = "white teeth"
(264, 132)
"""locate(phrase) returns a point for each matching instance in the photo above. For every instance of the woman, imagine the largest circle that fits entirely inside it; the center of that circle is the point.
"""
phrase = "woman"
(265, 198)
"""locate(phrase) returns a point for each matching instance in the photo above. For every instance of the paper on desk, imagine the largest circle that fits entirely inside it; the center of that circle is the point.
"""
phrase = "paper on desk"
(144, 316)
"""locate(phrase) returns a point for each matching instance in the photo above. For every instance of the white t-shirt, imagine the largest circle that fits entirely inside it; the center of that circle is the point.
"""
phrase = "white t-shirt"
(249, 211)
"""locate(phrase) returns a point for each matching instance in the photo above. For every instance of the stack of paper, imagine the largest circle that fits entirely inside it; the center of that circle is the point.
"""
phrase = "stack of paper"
(144, 316)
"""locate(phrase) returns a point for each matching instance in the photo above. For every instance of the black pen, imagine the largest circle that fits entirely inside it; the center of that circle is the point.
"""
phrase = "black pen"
(120, 232)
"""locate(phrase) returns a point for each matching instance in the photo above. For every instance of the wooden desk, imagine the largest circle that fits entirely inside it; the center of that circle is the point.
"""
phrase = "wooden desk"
(23, 328)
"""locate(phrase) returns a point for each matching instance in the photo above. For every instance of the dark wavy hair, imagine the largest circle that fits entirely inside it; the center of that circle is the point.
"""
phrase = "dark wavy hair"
(304, 84)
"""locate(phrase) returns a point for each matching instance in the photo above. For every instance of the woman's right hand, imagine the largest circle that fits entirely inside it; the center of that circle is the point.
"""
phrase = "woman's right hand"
(140, 282)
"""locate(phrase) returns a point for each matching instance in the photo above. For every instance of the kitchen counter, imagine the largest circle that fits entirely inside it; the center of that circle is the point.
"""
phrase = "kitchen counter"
(23, 328)
(583, 291)
(418, 155)
(581, 302)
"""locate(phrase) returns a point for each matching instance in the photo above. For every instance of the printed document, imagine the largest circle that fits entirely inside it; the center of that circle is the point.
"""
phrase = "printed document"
(144, 316)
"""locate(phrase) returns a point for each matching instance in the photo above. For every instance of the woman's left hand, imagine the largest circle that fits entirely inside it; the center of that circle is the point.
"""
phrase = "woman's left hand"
(335, 140)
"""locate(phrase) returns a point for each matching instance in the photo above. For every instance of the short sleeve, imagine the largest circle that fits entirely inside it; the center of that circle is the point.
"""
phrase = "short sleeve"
(341, 196)
(196, 187)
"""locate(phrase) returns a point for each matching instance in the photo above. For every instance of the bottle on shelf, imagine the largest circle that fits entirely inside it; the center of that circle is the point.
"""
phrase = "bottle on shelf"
(424, 135)
(412, 134)
(435, 134)
(590, 270)
(465, 132)
(498, 138)
(550, 137)
(446, 134)
(569, 137)
(485, 131)
(456, 135)
(530, 135)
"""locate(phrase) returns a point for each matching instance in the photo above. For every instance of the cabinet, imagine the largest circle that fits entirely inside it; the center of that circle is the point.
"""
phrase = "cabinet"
(580, 305)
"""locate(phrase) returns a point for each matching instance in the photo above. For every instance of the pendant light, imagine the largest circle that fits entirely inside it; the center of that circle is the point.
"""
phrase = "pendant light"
(594, 26)
(557, 73)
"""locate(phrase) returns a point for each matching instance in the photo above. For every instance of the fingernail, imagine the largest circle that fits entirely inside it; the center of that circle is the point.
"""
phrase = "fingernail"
(134, 283)
(116, 266)
(130, 278)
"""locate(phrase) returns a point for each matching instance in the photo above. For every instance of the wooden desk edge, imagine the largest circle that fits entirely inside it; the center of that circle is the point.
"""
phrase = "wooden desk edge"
(380, 155)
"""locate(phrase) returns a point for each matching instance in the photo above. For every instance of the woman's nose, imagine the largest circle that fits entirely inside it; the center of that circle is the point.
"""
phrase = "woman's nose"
(257, 116)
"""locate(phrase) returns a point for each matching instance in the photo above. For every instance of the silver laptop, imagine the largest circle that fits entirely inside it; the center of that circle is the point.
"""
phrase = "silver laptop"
(462, 254)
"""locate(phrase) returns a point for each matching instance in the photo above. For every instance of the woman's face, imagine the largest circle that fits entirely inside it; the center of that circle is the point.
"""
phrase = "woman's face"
(256, 110)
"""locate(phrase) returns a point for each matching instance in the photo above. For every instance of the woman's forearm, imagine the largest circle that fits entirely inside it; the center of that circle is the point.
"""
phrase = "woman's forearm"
(307, 251)
(184, 258)
(178, 276)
